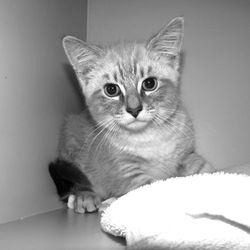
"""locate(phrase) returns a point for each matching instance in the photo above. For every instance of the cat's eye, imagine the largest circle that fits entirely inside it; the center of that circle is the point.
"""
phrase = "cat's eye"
(112, 90)
(149, 84)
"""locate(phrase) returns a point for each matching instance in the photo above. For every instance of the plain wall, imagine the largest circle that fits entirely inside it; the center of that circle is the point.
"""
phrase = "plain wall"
(35, 93)
(216, 78)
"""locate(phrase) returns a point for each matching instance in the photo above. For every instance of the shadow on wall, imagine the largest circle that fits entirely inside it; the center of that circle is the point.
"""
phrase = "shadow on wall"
(74, 83)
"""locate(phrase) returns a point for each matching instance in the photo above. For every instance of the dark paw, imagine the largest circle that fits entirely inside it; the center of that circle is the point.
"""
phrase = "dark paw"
(85, 201)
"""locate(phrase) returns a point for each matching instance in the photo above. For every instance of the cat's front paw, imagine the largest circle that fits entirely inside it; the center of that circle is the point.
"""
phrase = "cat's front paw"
(85, 201)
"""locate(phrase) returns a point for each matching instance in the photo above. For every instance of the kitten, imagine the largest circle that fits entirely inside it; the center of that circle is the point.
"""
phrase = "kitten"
(135, 129)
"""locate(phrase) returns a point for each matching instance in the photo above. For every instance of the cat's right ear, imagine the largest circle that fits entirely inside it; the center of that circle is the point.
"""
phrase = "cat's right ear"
(81, 55)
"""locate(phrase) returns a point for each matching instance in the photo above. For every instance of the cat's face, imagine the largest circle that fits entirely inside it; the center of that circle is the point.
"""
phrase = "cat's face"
(130, 85)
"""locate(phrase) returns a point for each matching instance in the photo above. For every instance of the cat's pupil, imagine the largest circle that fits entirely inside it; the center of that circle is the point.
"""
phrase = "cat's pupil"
(149, 84)
(111, 89)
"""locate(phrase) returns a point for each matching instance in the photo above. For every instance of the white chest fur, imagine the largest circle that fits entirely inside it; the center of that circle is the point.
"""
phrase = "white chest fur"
(158, 149)
(151, 145)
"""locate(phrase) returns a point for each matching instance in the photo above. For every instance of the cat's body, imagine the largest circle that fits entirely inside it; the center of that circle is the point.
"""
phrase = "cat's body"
(135, 129)
(124, 161)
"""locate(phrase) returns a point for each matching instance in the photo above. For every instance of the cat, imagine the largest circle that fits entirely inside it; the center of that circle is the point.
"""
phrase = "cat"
(135, 129)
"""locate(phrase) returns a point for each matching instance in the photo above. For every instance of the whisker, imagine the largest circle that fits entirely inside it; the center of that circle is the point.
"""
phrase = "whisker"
(105, 136)
(163, 124)
(172, 125)
(103, 127)
(99, 125)
(115, 130)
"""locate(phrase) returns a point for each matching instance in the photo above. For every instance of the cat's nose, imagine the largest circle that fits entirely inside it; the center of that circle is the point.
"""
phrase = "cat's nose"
(134, 106)
(134, 111)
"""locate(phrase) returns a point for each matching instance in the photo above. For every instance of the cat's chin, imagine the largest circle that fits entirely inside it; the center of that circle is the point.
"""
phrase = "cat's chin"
(136, 125)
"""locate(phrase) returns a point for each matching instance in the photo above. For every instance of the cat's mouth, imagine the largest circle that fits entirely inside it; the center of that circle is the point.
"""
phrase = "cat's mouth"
(136, 124)
(132, 123)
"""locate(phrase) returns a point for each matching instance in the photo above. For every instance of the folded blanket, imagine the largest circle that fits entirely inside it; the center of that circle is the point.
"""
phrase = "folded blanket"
(209, 211)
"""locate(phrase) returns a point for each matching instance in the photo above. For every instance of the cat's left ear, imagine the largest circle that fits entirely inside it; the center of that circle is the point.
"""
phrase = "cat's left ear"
(168, 41)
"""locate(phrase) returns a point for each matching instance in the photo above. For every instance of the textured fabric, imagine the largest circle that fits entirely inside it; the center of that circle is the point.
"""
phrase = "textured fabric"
(206, 211)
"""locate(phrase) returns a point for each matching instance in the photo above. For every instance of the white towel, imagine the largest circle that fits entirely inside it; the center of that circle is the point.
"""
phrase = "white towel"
(209, 211)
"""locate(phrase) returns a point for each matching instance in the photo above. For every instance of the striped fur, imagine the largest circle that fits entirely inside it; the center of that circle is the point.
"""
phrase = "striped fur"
(115, 150)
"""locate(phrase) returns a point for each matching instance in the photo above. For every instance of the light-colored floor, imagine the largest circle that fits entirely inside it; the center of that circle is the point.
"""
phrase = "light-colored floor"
(59, 229)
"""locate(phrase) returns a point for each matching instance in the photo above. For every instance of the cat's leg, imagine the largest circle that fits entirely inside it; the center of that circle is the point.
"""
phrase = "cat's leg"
(71, 182)
(194, 163)
(133, 182)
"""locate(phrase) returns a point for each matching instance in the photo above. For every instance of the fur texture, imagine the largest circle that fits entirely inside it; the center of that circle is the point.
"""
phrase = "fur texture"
(135, 129)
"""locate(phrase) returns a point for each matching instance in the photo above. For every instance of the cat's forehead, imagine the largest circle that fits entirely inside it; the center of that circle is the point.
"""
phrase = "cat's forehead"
(120, 64)
(126, 61)
(126, 53)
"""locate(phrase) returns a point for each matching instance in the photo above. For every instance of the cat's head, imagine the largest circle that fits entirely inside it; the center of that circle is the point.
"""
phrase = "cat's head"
(130, 85)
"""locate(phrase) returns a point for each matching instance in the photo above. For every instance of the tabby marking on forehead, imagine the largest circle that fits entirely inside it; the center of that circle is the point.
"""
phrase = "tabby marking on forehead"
(115, 76)
(134, 66)
(141, 72)
(120, 70)
(149, 69)
(106, 76)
